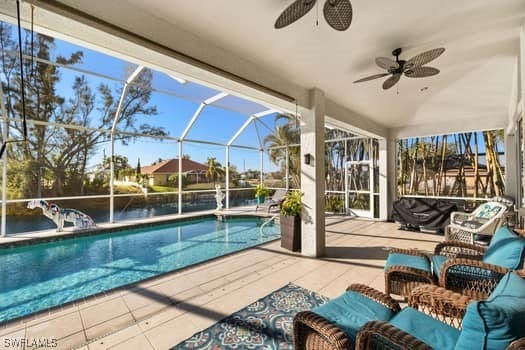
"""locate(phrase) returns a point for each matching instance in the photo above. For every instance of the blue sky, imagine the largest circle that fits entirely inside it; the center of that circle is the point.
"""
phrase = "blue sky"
(215, 124)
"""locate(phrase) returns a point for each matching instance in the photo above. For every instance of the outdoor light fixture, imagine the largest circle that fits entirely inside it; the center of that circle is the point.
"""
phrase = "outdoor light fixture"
(307, 158)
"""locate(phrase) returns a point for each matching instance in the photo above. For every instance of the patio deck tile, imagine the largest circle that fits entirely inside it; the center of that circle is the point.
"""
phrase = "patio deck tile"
(170, 333)
(138, 342)
(8, 340)
(59, 328)
(109, 326)
(104, 311)
(116, 338)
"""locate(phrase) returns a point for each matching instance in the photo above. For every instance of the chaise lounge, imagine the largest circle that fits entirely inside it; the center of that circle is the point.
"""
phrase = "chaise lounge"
(273, 202)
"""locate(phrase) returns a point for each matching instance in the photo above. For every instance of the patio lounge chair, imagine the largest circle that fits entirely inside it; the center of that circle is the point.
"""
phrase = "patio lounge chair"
(469, 269)
(274, 201)
(334, 325)
(496, 323)
(485, 220)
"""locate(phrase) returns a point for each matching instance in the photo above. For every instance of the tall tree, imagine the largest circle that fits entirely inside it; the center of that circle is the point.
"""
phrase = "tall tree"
(51, 145)
(276, 144)
(215, 170)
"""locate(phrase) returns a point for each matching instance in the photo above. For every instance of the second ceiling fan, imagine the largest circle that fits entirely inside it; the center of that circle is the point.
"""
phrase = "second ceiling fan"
(412, 68)
(338, 13)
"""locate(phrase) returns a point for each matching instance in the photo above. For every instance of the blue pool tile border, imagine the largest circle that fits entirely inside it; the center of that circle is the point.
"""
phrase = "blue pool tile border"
(105, 230)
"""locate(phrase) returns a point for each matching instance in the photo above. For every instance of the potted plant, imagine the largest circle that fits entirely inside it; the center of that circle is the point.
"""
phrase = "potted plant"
(260, 193)
(290, 221)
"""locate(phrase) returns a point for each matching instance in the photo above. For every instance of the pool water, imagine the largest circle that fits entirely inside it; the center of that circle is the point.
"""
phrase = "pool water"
(40, 276)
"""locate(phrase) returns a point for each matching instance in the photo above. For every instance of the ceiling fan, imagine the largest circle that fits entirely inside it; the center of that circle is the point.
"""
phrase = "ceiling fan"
(338, 13)
(412, 68)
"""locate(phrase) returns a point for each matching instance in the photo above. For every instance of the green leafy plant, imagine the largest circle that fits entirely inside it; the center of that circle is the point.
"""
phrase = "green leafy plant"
(292, 204)
(261, 190)
(334, 204)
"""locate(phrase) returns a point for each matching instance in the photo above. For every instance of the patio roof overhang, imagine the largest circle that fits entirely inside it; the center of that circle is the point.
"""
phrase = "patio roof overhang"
(481, 71)
(472, 90)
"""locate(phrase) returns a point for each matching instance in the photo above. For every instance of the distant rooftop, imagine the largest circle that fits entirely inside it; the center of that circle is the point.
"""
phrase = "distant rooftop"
(171, 166)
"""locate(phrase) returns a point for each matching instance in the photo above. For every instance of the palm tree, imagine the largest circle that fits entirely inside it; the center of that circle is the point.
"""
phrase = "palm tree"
(285, 135)
(215, 170)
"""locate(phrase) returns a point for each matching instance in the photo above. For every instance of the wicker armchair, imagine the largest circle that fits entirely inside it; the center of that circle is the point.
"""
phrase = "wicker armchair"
(402, 279)
(445, 305)
(485, 220)
(465, 272)
(456, 266)
(446, 310)
(312, 331)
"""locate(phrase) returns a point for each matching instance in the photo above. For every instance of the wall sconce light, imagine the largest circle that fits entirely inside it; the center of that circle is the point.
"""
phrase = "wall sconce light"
(307, 158)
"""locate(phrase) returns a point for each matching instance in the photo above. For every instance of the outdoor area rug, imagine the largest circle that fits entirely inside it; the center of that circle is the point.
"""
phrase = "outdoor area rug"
(265, 324)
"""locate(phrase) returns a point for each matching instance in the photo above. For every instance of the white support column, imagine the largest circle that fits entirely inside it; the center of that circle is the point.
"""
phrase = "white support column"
(511, 166)
(521, 82)
(261, 166)
(383, 179)
(287, 170)
(180, 177)
(312, 177)
(227, 177)
(346, 178)
(391, 174)
(512, 155)
(5, 135)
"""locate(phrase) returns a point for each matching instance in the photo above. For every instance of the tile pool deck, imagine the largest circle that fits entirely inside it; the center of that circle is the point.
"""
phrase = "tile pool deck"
(160, 313)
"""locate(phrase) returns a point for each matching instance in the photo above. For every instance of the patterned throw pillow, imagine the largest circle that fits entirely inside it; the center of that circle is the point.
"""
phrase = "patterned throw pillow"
(488, 210)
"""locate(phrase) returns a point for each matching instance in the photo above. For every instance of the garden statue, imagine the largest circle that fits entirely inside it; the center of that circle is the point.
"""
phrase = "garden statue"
(59, 215)
(219, 196)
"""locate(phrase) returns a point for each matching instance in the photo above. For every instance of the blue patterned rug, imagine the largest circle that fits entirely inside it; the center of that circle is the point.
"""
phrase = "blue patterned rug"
(265, 324)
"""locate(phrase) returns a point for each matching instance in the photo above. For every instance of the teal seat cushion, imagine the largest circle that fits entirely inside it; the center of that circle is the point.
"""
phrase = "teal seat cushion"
(351, 310)
(506, 249)
(437, 263)
(432, 332)
(496, 322)
(416, 262)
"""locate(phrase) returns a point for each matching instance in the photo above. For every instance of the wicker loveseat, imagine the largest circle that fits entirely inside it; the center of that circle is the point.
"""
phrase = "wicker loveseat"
(461, 267)
(497, 323)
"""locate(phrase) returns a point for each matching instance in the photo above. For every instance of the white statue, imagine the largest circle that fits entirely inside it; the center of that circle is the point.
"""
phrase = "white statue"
(219, 196)
(59, 215)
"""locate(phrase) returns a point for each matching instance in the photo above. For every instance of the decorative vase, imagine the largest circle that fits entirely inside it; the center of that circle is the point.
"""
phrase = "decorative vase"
(291, 232)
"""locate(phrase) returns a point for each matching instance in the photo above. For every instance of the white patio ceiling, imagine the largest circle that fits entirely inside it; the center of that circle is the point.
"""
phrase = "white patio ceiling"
(472, 91)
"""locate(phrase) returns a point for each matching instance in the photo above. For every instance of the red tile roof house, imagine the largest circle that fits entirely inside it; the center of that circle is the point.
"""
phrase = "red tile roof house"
(159, 174)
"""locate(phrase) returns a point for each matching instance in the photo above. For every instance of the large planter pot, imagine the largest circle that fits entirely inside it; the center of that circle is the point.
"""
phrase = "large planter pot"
(260, 199)
(291, 232)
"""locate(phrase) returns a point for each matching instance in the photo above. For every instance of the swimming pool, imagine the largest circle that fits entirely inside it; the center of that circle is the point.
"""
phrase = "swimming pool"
(40, 276)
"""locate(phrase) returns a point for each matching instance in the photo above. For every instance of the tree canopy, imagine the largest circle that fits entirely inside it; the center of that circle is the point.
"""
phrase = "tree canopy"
(63, 123)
